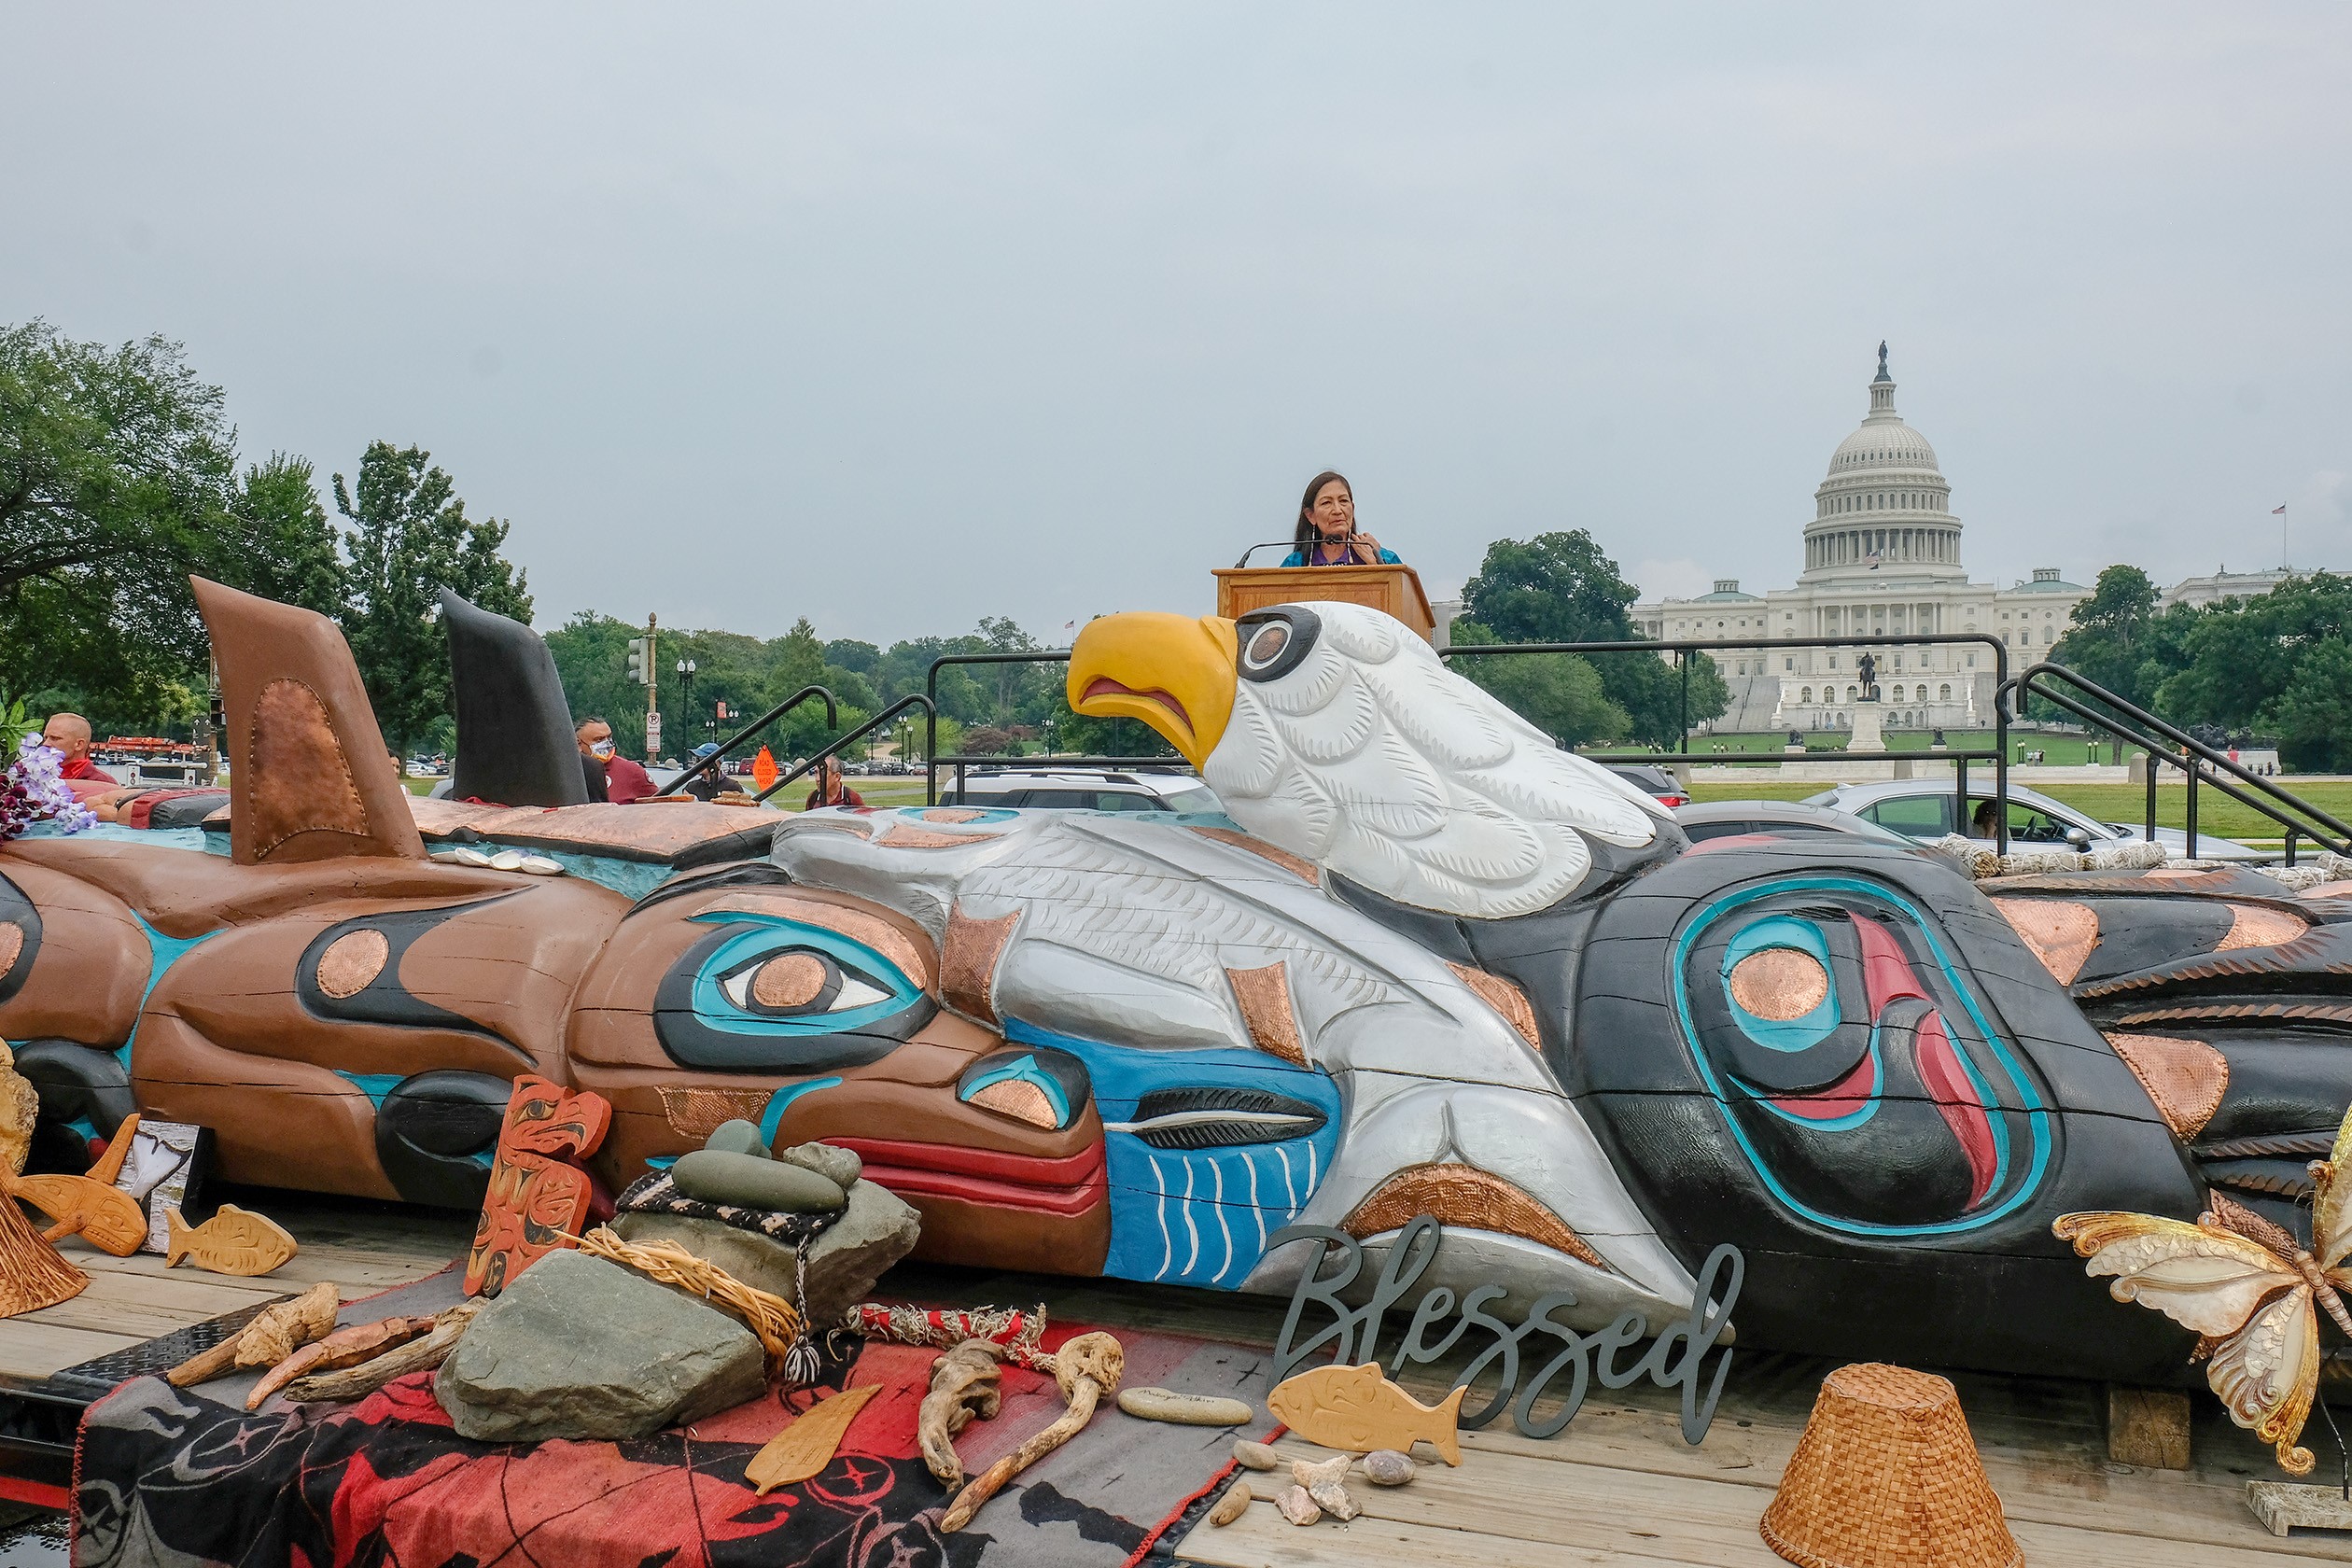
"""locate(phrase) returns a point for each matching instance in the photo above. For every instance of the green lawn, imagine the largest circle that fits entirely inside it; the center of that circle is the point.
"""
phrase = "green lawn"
(2108, 803)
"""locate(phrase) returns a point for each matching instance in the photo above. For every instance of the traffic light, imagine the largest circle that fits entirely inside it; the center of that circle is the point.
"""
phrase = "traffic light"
(637, 671)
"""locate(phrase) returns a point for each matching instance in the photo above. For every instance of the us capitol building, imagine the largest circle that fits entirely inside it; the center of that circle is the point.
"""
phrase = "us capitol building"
(1881, 559)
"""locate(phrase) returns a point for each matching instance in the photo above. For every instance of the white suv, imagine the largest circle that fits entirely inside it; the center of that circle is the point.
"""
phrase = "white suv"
(1085, 790)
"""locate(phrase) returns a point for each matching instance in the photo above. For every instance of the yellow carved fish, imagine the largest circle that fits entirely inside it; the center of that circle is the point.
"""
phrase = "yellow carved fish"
(234, 1241)
(1354, 1407)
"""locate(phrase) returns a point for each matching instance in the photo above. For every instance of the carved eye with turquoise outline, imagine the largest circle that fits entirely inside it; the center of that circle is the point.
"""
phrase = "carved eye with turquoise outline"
(1044, 1087)
(765, 992)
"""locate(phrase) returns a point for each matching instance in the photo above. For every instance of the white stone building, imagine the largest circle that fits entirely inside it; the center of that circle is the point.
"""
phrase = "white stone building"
(1881, 557)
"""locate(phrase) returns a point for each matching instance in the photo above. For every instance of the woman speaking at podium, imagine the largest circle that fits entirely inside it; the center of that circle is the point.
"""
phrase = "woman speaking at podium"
(1326, 534)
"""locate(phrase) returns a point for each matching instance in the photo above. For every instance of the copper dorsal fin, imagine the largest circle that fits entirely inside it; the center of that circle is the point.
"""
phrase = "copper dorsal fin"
(308, 778)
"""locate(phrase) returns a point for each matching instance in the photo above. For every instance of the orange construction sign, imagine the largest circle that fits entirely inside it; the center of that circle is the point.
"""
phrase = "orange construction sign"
(763, 769)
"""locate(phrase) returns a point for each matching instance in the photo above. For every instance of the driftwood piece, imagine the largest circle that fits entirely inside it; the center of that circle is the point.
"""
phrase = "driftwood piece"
(1084, 1370)
(417, 1355)
(346, 1347)
(1234, 1503)
(966, 1384)
(275, 1333)
(804, 1447)
(20, 1106)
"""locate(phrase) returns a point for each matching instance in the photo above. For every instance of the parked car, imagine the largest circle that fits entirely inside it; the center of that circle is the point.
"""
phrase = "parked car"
(1085, 790)
(1777, 820)
(1654, 781)
(1923, 808)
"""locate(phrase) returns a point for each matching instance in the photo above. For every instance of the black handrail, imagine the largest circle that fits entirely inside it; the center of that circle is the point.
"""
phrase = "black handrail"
(911, 699)
(931, 693)
(2192, 756)
(832, 721)
(1680, 647)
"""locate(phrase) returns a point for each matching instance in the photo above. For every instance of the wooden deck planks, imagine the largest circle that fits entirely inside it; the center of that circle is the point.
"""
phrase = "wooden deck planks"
(364, 1249)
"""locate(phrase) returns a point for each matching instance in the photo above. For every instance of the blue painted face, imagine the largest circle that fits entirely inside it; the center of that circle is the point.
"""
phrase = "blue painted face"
(1209, 1153)
(1856, 1065)
(766, 993)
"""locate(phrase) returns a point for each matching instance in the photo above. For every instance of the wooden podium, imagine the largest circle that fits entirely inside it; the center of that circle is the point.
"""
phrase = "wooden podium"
(1395, 590)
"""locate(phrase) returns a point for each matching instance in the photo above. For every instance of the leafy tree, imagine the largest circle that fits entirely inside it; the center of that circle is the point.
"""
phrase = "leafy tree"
(2122, 640)
(1092, 737)
(410, 538)
(116, 471)
(287, 547)
(2312, 718)
(1560, 693)
(1560, 587)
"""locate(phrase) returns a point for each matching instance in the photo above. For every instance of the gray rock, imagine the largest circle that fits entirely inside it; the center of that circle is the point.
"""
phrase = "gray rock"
(754, 1181)
(876, 1229)
(583, 1349)
(841, 1166)
(737, 1138)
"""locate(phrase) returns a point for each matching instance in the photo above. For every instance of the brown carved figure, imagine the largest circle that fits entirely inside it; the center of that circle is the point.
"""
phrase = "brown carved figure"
(538, 1197)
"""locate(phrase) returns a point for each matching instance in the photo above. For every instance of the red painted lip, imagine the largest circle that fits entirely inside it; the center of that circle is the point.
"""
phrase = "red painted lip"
(1068, 1184)
(1103, 686)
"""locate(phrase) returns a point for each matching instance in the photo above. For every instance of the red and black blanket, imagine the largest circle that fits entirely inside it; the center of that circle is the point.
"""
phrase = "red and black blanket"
(167, 1475)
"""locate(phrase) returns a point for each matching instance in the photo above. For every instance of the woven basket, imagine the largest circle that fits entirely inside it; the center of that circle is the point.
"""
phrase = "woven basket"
(1886, 1476)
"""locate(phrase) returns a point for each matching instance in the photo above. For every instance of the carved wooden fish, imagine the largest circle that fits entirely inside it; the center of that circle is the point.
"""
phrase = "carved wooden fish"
(234, 1241)
(1354, 1407)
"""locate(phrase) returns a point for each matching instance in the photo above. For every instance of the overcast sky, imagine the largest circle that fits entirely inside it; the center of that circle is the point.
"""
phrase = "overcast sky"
(895, 316)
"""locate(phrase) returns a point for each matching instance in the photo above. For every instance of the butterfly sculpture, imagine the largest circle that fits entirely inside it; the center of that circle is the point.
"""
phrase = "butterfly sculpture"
(2247, 1288)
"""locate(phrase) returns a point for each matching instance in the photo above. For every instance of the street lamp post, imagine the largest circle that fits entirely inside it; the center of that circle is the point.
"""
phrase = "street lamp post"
(686, 691)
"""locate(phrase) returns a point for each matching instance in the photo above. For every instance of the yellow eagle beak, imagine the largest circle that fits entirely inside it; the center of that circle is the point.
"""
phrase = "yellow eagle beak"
(1174, 672)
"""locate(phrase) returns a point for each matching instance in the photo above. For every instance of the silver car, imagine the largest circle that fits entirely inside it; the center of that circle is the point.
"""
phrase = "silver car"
(1922, 809)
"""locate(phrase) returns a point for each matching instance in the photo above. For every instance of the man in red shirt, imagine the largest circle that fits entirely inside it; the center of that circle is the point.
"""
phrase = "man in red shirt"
(68, 735)
(610, 776)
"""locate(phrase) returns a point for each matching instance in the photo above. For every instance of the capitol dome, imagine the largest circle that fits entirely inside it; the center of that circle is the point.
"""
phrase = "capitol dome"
(1886, 506)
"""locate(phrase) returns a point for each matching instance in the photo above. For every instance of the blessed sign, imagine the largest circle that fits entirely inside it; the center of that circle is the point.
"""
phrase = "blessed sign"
(1673, 1359)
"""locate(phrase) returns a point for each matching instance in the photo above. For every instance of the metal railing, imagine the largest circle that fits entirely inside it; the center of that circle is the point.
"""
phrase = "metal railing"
(2199, 763)
(709, 764)
(816, 759)
(1997, 754)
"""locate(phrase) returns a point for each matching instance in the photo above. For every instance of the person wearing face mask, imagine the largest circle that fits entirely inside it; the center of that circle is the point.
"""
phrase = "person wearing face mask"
(1327, 534)
(610, 776)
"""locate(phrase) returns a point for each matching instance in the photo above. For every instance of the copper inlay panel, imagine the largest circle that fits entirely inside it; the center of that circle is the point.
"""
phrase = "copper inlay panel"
(950, 814)
(902, 836)
(351, 961)
(2255, 925)
(1264, 995)
(1505, 998)
(2062, 934)
(1024, 1102)
(1462, 1195)
(696, 1114)
(788, 980)
(300, 781)
(1779, 984)
(1303, 870)
(855, 924)
(967, 970)
(2186, 1078)
(2328, 890)
(11, 943)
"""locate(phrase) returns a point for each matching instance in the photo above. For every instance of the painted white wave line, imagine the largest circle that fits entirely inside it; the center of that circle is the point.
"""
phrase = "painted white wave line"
(1167, 1243)
(1190, 1229)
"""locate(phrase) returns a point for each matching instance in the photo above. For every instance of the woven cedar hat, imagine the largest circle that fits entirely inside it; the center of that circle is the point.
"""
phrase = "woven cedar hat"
(1887, 1477)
